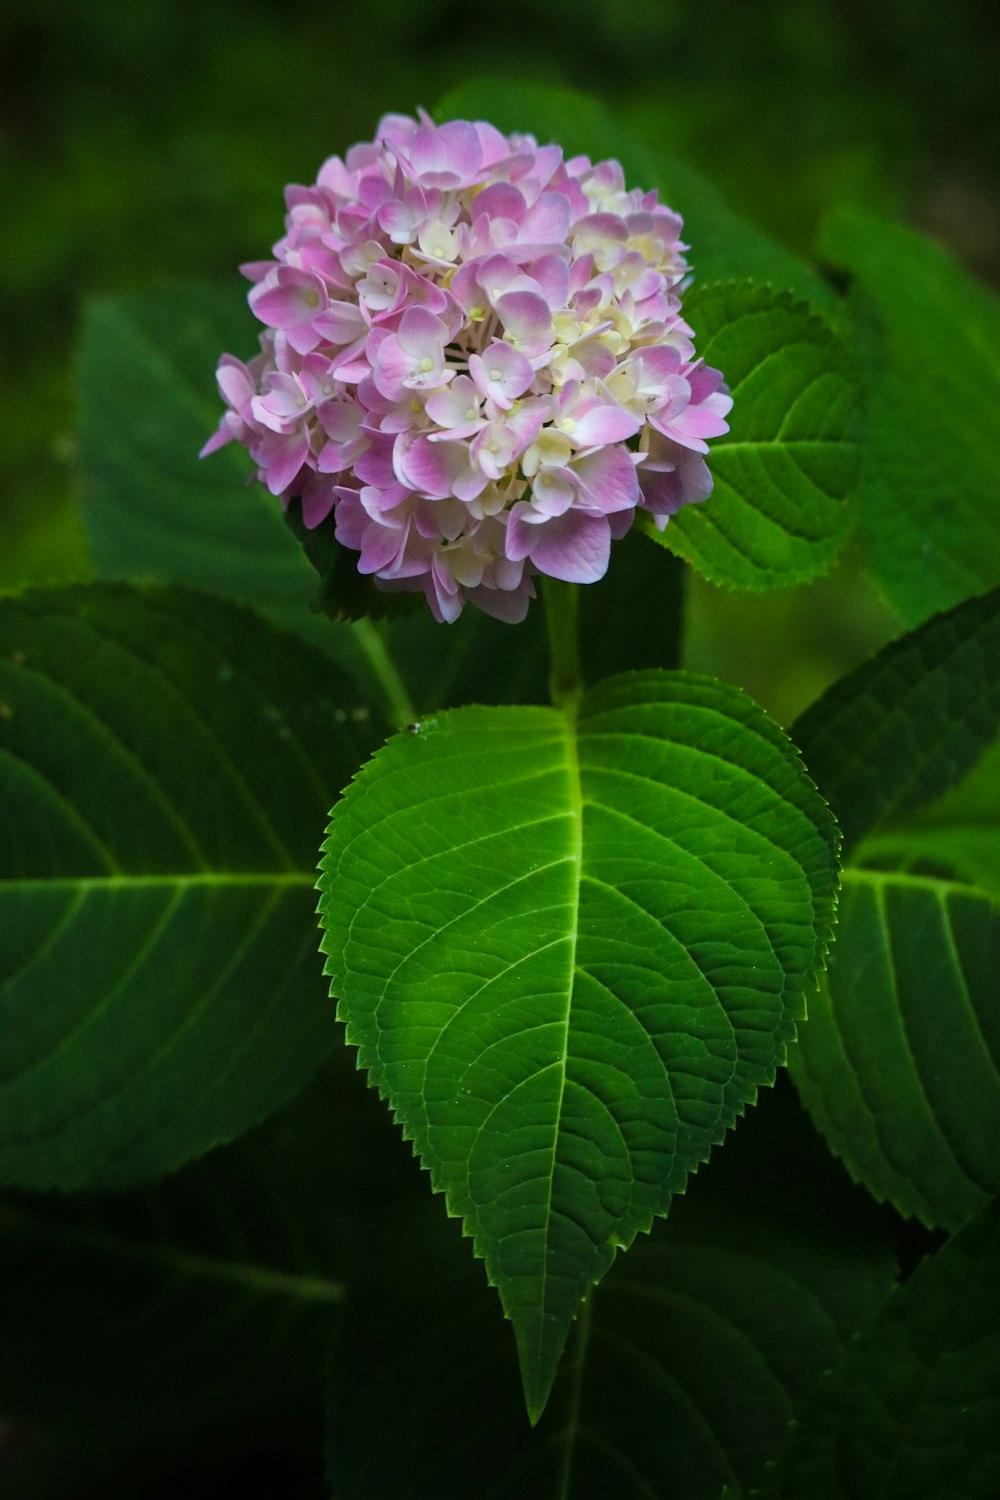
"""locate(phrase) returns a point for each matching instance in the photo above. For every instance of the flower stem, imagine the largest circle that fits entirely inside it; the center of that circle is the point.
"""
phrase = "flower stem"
(561, 609)
(398, 701)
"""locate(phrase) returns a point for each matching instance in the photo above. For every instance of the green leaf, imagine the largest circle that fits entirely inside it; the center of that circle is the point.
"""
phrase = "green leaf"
(778, 514)
(899, 1061)
(165, 763)
(928, 503)
(959, 833)
(723, 244)
(570, 948)
(915, 1407)
(907, 725)
(685, 1370)
(148, 403)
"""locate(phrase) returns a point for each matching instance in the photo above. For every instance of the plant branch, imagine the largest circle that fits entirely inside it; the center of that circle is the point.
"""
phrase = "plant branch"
(397, 697)
(561, 610)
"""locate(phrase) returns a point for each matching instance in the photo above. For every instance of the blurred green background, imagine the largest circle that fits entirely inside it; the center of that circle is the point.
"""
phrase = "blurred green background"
(151, 141)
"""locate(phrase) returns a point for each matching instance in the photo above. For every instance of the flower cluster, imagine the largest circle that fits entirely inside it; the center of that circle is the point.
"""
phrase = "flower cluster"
(474, 359)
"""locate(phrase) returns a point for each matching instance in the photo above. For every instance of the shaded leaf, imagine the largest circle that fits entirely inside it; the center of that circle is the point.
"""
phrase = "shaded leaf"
(723, 244)
(570, 948)
(907, 725)
(215, 1292)
(166, 761)
(684, 1371)
(148, 403)
(899, 1061)
(778, 513)
(958, 834)
(915, 1406)
(629, 619)
(929, 502)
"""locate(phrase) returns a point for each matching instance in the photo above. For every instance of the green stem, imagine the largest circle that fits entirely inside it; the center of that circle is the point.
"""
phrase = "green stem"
(561, 609)
(398, 700)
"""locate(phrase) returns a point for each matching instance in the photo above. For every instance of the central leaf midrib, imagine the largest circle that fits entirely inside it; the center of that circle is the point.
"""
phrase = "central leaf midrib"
(569, 730)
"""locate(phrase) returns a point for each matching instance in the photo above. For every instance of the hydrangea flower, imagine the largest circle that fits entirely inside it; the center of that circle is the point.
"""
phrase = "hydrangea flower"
(474, 363)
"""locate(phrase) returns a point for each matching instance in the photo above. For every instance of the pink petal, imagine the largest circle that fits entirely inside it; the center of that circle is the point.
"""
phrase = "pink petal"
(501, 373)
(235, 383)
(341, 323)
(429, 468)
(293, 298)
(281, 456)
(448, 155)
(500, 201)
(421, 333)
(606, 480)
(574, 547)
(605, 424)
(551, 275)
(509, 605)
(547, 221)
(526, 319)
(318, 500)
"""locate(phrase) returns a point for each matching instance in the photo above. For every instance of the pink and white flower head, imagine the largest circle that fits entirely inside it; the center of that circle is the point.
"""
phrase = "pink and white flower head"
(474, 364)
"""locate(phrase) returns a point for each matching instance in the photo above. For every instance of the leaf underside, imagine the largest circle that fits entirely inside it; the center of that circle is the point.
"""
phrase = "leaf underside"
(570, 948)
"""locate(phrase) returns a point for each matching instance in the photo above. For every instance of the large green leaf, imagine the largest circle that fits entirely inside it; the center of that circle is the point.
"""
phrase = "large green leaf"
(914, 1408)
(690, 1362)
(166, 763)
(570, 946)
(778, 514)
(723, 244)
(929, 500)
(899, 1062)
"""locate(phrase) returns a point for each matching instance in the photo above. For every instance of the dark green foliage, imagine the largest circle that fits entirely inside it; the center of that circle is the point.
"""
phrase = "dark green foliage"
(165, 761)
(727, 245)
(899, 1062)
(929, 340)
(914, 1408)
(683, 1371)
